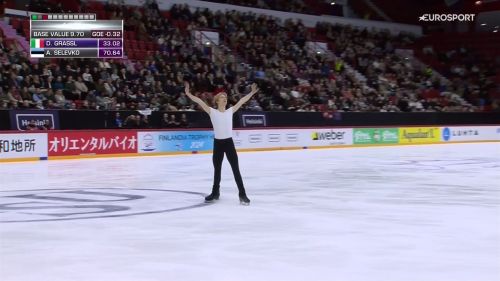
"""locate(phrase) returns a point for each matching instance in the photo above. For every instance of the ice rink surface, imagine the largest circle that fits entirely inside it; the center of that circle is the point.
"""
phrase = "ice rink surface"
(411, 213)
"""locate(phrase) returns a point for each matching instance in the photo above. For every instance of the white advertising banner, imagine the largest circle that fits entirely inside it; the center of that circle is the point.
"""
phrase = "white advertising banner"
(267, 138)
(470, 133)
(330, 137)
(291, 138)
(23, 146)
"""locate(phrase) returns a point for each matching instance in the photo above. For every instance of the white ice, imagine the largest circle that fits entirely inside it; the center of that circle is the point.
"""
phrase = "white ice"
(414, 213)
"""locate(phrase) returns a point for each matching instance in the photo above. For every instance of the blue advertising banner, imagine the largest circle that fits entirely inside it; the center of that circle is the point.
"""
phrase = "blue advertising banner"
(175, 141)
(36, 119)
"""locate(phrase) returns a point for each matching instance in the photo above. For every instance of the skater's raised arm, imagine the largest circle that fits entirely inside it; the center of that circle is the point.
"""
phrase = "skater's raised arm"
(246, 98)
(197, 100)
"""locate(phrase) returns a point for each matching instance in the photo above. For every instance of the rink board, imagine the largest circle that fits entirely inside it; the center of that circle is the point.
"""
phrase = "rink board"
(20, 146)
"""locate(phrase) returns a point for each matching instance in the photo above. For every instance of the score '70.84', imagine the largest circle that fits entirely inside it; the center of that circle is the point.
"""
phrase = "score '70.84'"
(112, 52)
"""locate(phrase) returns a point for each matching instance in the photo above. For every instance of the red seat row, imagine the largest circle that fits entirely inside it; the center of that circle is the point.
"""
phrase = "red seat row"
(140, 45)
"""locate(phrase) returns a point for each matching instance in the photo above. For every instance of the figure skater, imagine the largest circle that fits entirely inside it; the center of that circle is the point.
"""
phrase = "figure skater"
(222, 122)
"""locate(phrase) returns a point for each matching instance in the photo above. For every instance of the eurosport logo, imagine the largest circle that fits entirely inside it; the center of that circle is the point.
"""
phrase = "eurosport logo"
(447, 17)
(92, 203)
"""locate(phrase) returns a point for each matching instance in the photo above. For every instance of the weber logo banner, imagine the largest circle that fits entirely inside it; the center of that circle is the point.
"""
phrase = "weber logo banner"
(331, 137)
(19, 119)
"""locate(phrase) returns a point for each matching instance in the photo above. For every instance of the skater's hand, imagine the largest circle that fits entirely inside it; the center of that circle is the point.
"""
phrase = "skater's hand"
(245, 98)
(254, 88)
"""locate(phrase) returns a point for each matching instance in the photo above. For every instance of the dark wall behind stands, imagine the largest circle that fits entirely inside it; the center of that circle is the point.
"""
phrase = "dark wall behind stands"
(284, 119)
(79, 120)
(76, 120)
(4, 120)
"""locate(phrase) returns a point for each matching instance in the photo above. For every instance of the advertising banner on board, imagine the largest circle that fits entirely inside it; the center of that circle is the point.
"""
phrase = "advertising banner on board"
(410, 135)
(470, 133)
(276, 138)
(42, 119)
(175, 141)
(375, 136)
(23, 145)
(92, 142)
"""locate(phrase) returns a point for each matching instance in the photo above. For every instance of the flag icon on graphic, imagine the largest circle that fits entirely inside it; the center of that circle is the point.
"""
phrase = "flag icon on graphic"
(37, 53)
(37, 43)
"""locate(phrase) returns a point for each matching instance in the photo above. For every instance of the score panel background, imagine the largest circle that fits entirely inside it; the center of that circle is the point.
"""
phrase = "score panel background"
(76, 38)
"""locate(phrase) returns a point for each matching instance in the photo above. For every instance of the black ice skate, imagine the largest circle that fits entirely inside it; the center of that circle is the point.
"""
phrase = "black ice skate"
(212, 197)
(244, 199)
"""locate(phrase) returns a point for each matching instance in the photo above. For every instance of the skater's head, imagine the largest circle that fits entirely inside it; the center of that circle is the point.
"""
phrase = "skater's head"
(221, 100)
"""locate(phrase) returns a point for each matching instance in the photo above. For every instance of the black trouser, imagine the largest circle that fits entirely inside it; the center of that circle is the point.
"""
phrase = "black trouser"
(222, 146)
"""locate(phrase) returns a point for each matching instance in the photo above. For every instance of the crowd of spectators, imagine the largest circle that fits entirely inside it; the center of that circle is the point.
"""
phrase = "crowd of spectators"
(398, 80)
(274, 54)
(294, 6)
(312, 7)
(471, 75)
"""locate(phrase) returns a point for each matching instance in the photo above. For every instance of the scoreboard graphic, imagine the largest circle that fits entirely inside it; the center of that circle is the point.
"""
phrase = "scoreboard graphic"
(75, 36)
